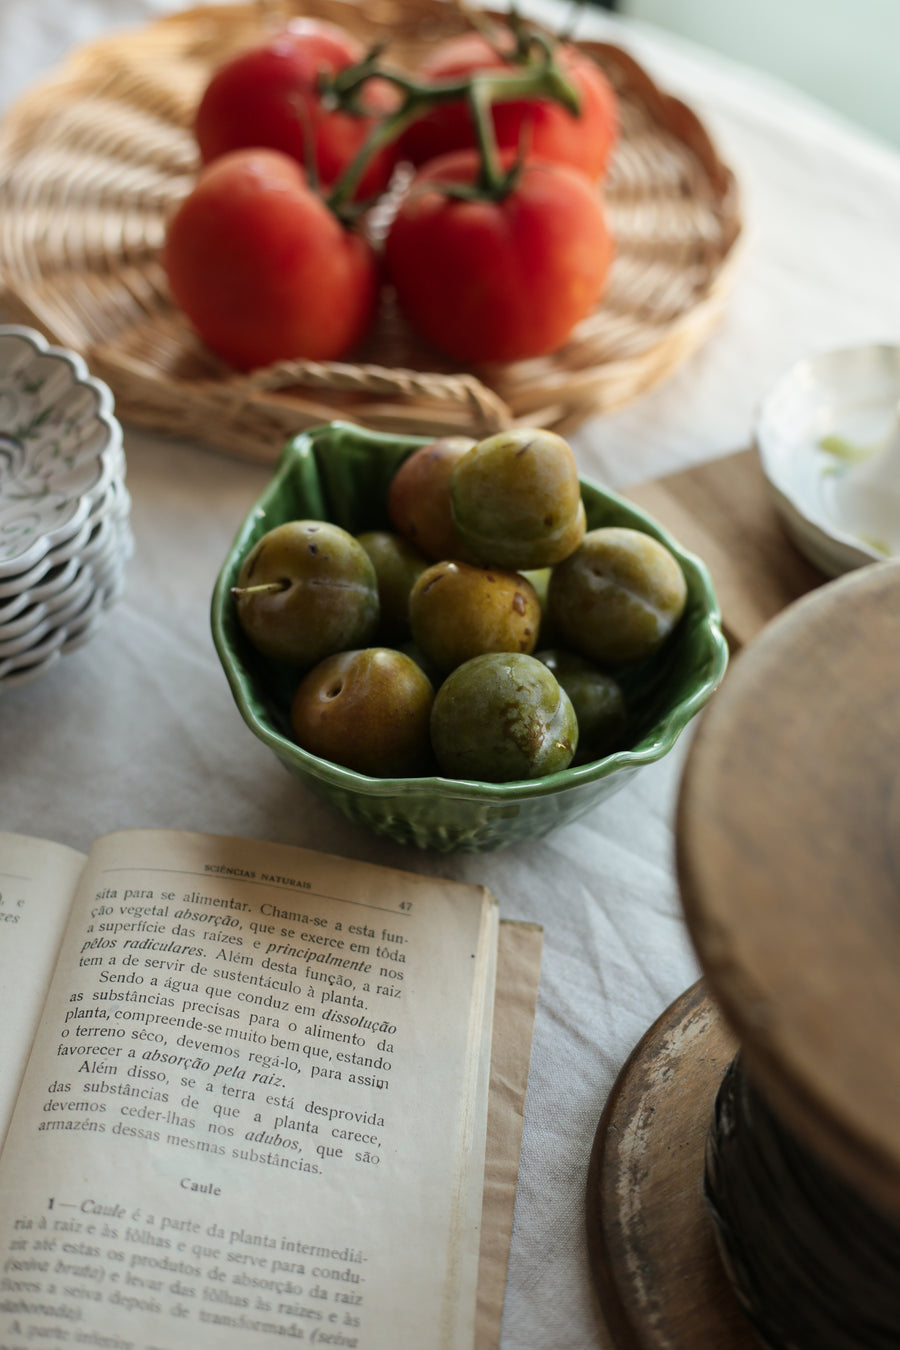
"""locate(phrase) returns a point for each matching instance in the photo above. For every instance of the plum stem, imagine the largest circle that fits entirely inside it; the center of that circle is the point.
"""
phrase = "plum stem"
(262, 588)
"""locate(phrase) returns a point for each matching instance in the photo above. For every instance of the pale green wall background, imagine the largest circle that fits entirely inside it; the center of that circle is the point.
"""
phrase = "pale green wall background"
(845, 53)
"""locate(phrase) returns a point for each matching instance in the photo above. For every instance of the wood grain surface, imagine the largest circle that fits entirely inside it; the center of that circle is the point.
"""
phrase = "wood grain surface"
(660, 1282)
(722, 512)
(788, 855)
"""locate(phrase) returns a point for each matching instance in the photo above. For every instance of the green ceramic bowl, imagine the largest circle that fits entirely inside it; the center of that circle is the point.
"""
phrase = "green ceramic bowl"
(341, 473)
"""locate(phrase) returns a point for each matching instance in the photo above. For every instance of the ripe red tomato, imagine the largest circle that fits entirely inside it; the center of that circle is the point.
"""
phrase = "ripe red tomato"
(498, 280)
(263, 269)
(268, 96)
(545, 128)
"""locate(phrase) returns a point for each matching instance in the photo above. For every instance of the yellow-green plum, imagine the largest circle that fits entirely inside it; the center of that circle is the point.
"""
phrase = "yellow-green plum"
(457, 611)
(368, 710)
(502, 717)
(306, 589)
(597, 698)
(418, 501)
(618, 597)
(516, 500)
(398, 564)
(540, 580)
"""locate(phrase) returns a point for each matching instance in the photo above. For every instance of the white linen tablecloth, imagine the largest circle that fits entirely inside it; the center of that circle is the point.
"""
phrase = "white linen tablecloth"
(138, 727)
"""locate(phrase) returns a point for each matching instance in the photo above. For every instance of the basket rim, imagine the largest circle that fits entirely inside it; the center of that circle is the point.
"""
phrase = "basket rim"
(484, 399)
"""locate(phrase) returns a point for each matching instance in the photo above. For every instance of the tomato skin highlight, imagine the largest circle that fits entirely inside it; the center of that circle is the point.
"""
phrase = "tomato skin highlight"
(543, 128)
(488, 281)
(267, 96)
(262, 269)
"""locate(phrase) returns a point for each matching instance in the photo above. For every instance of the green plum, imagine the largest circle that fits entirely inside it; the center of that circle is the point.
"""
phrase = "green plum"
(516, 500)
(416, 654)
(397, 565)
(306, 589)
(418, 500)
(618, 597)
(502, 717)
(597, 698)
(457, 611)
(368, 710)
(540, 580)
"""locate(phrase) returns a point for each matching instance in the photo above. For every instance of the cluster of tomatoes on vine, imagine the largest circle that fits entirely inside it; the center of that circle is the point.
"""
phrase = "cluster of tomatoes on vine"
(498, 247)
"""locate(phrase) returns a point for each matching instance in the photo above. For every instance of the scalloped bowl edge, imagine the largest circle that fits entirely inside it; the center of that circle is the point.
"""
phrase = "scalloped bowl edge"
(457, 814)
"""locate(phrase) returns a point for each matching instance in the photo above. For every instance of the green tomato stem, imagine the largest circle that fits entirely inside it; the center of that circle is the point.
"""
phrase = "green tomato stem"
(539, 76)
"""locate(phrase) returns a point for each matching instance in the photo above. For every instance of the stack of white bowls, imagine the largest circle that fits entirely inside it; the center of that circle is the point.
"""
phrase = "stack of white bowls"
(65, 534)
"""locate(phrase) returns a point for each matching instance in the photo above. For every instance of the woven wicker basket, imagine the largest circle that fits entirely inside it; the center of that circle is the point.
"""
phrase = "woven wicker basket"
(94, 160)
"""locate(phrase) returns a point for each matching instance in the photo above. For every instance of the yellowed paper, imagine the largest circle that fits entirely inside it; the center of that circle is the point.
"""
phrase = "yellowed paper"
(252, 1107)
(518, 974)
(36, 884)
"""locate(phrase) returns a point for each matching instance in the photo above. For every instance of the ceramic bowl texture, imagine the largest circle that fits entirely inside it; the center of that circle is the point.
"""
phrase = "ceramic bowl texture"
(65, 534)
(60, 446)
(817, 435)
(341, 473)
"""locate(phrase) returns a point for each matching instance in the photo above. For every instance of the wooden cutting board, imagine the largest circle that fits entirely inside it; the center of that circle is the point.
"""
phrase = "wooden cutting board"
(788, 850)
(722, 511)
(788, 858)
(659, 1278)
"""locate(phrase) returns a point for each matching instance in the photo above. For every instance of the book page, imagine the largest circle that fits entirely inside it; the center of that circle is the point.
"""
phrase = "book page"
(37, 882)
(255, 1106)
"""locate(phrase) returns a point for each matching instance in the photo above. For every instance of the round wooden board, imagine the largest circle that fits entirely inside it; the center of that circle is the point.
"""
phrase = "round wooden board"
(94, 160)
(659, 1278)
(788, 849)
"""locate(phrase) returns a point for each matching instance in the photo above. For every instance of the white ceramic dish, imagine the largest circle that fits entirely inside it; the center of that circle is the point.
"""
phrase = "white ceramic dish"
(28, 664)
(28, 619)
(27, 636)
(828, 437)
(50, 574)
(11, 610)
(60, 447)
(65, 532)
(63, 607)
(45, 576)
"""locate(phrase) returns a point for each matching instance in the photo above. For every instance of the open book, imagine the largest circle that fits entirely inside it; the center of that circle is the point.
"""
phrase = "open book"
(244, 1095)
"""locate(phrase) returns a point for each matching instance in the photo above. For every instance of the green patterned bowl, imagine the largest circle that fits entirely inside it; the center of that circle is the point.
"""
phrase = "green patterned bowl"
(341, 473)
